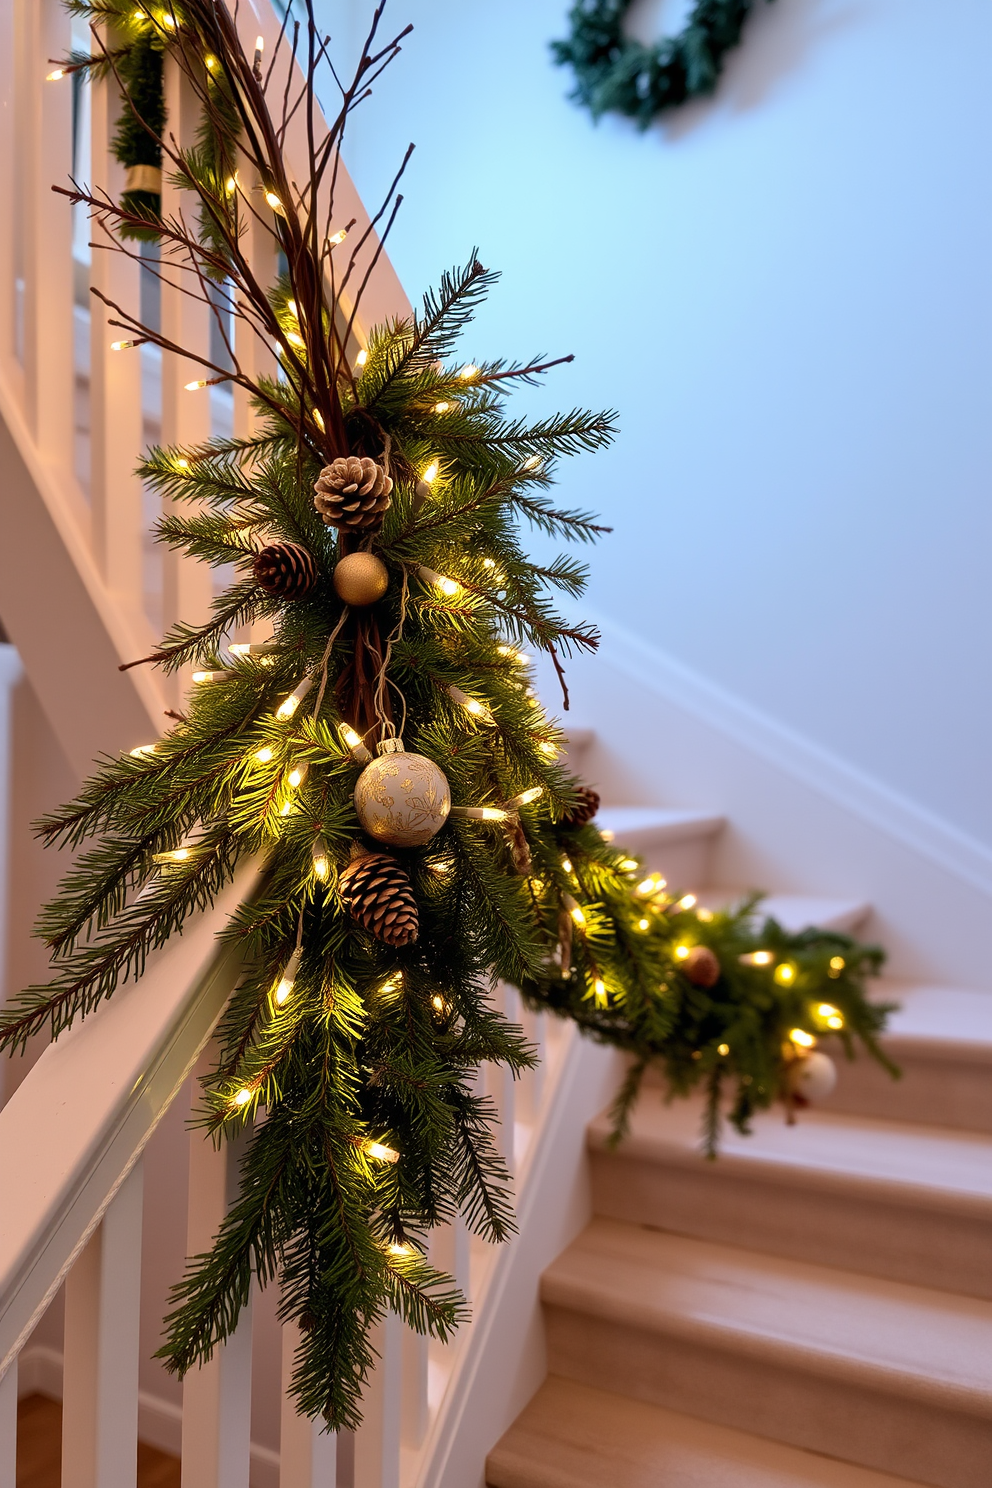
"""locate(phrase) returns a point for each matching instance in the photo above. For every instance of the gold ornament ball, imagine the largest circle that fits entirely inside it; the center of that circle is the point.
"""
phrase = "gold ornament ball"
(361, 579)
(402, 799)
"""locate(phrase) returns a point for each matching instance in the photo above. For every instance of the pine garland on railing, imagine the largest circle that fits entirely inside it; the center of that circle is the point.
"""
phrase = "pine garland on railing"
(385, 755)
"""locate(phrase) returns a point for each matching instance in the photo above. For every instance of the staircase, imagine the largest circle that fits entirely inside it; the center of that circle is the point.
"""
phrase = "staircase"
(811, 1309)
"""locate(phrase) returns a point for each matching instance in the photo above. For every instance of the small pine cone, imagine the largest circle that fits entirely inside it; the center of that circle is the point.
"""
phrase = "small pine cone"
(352, 493)
(285, 569)
(375, 890)
(702, 967)
(584, 809)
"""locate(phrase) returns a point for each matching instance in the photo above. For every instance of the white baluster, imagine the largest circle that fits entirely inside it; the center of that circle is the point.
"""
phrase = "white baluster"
(45, 133)
(216, 1397)
(502, 1087)
(10, 222)
(8, 1428)
(100, 1371)
(451, 1252)
(377, 1443)
(414, 1403)
(307, 1453)
(186, 323)
(115, 381)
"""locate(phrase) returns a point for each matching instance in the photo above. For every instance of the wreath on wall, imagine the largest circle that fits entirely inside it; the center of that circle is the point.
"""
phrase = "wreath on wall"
(616, 74)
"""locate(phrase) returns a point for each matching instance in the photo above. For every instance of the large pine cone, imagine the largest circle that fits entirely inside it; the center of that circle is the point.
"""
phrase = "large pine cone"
(584, 809)
(352, 493)
(285, 569)
(375, 890)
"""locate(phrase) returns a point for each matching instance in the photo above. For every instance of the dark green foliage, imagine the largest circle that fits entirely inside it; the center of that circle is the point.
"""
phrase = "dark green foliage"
(373, 1048)
(616, 74)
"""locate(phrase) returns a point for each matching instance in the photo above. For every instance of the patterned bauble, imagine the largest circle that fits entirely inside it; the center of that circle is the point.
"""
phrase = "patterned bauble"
(375, 890)
(285, 569)
(401, 798)
(812, 1076)
(352, 493)
(360, 579)
(702, 967)
(584, 809)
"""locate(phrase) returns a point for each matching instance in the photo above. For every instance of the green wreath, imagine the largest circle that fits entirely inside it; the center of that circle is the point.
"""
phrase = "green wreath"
(615, 74)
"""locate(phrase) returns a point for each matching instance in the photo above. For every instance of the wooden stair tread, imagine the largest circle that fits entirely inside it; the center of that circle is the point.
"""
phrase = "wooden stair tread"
(933, 1165)
(574, 1436)
(905, 1340)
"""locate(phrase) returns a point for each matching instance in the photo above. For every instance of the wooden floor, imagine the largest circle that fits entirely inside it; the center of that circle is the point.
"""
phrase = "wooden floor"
(39, 1449)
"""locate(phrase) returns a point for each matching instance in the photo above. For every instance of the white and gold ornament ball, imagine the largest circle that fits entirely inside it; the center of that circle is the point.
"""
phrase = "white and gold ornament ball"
(402, 799)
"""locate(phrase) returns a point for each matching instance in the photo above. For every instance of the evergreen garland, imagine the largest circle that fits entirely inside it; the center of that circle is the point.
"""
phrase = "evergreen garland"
(363, 1050)
(616, 74)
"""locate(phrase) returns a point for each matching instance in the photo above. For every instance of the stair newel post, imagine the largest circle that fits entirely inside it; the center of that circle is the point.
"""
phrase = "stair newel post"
(308, 1454)
(187, 584)
(377, 1442)
(216, 1450)
(115, 383)
(100, 1368)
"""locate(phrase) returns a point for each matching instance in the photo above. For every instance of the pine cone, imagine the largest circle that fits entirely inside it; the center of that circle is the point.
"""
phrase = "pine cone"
(702, 967)
(352, 493)
(584, 809)
(285, 569)
(375, 890)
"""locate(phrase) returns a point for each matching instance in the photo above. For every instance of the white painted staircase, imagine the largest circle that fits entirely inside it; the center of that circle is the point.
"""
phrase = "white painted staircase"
(811, 1308)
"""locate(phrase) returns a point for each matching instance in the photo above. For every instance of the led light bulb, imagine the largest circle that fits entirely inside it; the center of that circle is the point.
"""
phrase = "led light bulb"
(802, 1038)
(682, 952)
(471, 705)
(723, 1049)
(599, 989)
(273, 201)
(574, 909)
(430, 474)
(265, 754)
(628, 865)
(785, 973)
(548, 748)
(534, 463)
(392, 983)
(440, 581)
(288, 979)
(319, 858)
(182, 464)
(467, 373)
(757, 958)
(243, 1097)
(381, 1152)
(835, 1023)
(527, 796)
(318, 419)
(355, 745)
(126, 345)
(297, 775)
(566, 863)
(177, 855)
(289, 705)
(53, 77)
(196, 384)
(295, 339)
(361, 358)
(169, 22)
(442, 407)
(200, 677)
(400, 1250)
(686, 902)
(142, 749)
(704, 914)
(231, 185)
(438, 1003)
(827, 1010)
(338, 237)
(644, 924)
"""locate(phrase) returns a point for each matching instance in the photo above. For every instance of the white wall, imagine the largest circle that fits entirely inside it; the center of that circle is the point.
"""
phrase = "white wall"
(785, 293)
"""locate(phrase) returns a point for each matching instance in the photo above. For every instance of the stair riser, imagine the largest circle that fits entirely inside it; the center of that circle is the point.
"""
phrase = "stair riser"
(940, 1092)
(834, 1228)
(849, 1420)
(685, 864)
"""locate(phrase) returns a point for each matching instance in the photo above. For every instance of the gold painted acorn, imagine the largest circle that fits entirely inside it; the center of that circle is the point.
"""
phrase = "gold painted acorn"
(402, 798)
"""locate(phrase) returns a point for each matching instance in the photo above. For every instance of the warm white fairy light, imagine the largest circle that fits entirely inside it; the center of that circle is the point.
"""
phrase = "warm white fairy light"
(785, 973)
(527, 796)
(176, 855)
(757, 958)
(287, 981)
(682, 952)
(566, 863)
(392, 983)
(704, 914)
(447, 586)
(243, 1096)
(430, 474)
(468, 372)
(574, 909)
(289, 705)
(548, 747)
(438, 1004)
(295, 339)
(203, 677)
(599, 992)
(253, 648)
(723, 1050)
(211, 62)
(627, 865)
(338, 237)
(320, 859)
(264, 755)
(837, 964)
(471, 705)
(318, 419)
(140, 750)
(231, 185)
(686, 902)
(396, 1249)
(356, 747)
(381, 1152)
(442, 407)
(802, 1038)
(653, 884)
(126, 345)
(53, 77)
(644, 924)
(481, 813)
(275, 203)
(534, 463)
(361, 358)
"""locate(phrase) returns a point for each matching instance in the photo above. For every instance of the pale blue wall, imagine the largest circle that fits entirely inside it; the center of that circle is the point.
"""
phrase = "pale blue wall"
(785, 292)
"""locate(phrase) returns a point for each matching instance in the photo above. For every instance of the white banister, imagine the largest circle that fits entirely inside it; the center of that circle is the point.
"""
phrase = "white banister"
(217, 1396)
(308, 1454)
(100, 1354)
